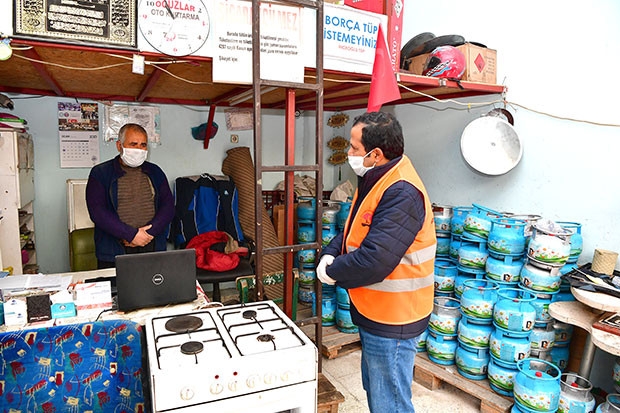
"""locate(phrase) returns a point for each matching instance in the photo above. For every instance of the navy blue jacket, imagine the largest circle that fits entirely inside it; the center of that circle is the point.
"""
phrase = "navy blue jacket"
(395, 224)
(102, 202)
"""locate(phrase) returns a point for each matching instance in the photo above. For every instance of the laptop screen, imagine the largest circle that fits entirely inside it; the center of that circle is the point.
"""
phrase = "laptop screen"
(155, 279)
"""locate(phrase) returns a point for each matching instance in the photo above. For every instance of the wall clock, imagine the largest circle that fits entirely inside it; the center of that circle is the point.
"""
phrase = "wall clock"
(174, 27)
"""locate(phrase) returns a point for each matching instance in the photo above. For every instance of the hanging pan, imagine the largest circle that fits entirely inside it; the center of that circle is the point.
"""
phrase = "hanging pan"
(490, 144)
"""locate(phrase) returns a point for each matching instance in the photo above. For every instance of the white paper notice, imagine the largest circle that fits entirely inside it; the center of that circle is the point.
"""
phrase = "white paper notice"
(350, 37)
(281, 57)
(78, 131)
(118, 115)
(148, 118)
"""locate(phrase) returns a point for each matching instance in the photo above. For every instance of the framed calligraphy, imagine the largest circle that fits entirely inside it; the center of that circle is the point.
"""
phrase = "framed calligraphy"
(109, 22)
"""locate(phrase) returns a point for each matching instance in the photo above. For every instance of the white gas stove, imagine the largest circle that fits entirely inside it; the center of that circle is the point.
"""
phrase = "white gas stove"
(247, 357)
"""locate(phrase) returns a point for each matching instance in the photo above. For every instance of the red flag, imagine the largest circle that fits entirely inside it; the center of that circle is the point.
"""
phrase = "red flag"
(383, 86)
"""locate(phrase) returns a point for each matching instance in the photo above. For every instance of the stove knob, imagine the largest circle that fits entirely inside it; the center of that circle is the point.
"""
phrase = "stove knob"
(251, 382)
(269, 378)
(187, 393)
(232, 386)
(216, 388)
(285, 376)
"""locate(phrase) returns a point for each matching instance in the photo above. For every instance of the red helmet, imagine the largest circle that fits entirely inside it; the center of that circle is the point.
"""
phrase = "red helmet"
(445, 61)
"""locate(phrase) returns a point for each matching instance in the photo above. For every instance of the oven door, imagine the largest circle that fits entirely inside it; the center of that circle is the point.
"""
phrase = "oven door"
(298, 398)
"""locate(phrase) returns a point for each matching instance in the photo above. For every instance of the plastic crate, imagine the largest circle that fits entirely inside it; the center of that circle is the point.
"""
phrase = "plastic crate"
(272, 198)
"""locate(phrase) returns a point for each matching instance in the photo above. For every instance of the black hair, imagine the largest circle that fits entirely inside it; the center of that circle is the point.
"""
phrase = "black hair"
(381, 130)
(130, 126)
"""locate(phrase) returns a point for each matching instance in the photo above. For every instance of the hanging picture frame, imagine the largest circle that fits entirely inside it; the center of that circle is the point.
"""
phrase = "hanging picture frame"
(239, 119)
(108, 22)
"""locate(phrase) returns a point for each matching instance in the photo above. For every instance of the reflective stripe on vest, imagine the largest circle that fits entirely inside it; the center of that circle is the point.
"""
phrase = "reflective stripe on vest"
(406, 294)
(413, 258)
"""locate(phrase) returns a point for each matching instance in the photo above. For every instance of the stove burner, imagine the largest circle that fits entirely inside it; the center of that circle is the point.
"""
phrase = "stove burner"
(191, 347)
(265, 338)
(249, 314)
(183, 324)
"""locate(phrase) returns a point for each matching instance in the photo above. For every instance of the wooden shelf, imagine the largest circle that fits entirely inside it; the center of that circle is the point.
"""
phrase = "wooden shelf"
(24, 219)
(342, 90)
(17, 190)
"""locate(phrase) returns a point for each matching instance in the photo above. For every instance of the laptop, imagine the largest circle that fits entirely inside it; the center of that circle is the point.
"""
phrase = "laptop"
(154, 279)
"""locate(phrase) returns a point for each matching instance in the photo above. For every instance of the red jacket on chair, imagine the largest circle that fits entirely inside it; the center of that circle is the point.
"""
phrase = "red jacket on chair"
(211, 254)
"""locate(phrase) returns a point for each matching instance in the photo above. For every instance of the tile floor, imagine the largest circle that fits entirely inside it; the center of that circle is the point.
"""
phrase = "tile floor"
(344, 373)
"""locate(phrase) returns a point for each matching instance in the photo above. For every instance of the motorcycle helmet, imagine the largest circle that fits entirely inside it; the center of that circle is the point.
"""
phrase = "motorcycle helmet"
(445, 61)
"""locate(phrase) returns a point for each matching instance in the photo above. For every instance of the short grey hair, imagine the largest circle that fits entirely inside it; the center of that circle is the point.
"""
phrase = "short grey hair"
(131, 126)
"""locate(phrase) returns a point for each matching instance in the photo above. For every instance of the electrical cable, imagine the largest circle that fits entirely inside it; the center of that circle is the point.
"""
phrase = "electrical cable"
(72, 67)
(434, 98)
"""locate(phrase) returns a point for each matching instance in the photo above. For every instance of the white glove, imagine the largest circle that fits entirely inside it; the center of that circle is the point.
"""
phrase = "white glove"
(321, 270)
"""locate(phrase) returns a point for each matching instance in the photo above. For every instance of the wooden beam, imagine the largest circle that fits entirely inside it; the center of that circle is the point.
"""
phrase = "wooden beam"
(152, 80)
(42, 70)
(205, 143)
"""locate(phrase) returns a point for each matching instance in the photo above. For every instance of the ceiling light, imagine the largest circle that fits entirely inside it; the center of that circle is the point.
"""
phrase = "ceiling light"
(5, 49)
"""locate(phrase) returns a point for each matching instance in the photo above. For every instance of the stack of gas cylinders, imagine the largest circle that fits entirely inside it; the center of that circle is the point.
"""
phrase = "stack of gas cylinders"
(495, 275)
(335, 300)
(334, 218)
(306, 259)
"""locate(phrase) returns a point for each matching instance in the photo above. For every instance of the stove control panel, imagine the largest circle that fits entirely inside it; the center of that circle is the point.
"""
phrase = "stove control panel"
(234, 378)
(227, 385)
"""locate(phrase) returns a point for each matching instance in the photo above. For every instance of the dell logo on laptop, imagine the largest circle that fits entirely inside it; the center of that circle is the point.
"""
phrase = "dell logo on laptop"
(158, 279)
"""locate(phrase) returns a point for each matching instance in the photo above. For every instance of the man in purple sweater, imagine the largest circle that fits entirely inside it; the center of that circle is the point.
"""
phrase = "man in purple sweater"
(129, 200)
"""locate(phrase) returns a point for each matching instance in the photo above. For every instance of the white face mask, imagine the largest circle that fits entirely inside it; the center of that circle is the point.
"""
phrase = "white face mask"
(357, 164)
(134, 157)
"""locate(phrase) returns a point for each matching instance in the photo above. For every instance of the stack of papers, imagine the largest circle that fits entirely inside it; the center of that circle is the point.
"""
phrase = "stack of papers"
(16, 284)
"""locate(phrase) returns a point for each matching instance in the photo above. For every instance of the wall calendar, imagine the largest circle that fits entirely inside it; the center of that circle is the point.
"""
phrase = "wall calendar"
(78, 130)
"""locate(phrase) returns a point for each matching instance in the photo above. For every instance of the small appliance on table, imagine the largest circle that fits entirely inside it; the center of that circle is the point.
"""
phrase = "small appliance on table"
(247, 357)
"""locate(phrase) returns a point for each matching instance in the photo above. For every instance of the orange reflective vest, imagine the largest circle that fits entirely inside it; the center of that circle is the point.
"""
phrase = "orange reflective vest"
(405, 295)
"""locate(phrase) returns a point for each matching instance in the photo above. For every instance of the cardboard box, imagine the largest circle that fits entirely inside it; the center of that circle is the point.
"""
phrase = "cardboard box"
(278, 223)
(39, 308)
(63, 305)
(481, 64)
(393, 9)
(16, 312)
(92, 298)
(63, 310)
(375, 6)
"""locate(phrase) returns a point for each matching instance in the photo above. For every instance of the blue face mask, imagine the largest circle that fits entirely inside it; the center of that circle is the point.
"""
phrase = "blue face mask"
(357, 164)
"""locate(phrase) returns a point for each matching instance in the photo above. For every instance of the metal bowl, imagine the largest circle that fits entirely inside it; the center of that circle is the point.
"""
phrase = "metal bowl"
(491, 146)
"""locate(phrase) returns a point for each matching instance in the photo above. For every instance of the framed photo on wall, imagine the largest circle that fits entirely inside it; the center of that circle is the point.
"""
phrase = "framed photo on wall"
(97, 22)
(239, 119)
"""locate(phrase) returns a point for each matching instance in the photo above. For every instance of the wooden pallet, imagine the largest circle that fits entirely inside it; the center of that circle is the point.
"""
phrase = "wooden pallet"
(432, 375)
(328, 396)
(336, 343)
